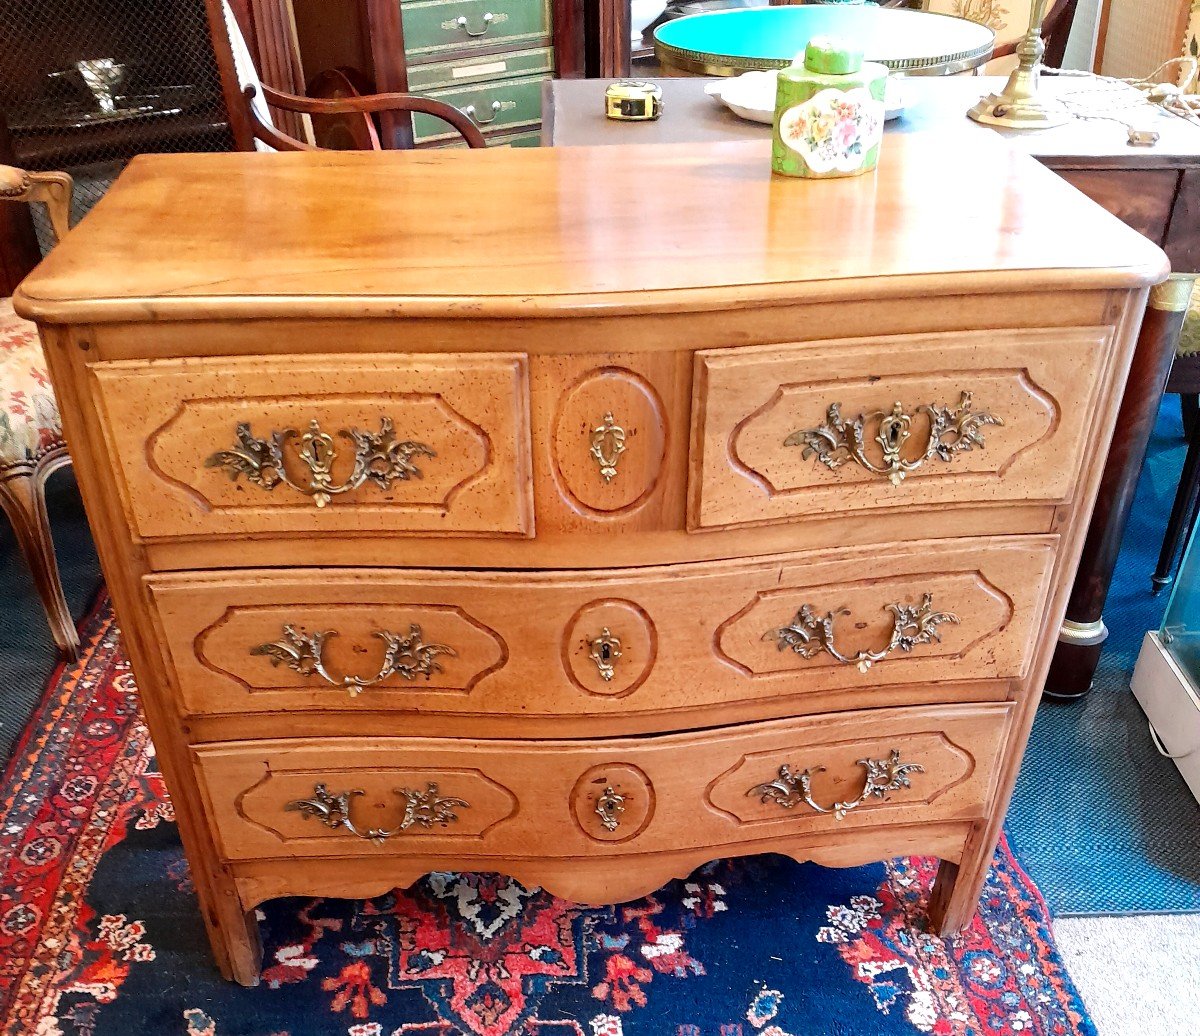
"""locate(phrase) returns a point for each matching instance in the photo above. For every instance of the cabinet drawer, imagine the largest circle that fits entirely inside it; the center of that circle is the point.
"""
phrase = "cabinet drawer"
(491, 106)
(476, 69)
(432, 27)
(458, 799)
(783, 432)
(652, 648)
(270, 445)
(522, 138)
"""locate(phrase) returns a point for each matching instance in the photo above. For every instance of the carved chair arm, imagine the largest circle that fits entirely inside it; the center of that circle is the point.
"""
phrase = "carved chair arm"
(52, 189)
(374, 103)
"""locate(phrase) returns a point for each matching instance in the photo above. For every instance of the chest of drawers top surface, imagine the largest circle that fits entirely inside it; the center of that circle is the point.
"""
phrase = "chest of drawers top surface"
(569, 230)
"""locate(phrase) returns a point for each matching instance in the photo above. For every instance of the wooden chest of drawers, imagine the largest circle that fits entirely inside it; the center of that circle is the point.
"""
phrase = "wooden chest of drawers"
(584, 542)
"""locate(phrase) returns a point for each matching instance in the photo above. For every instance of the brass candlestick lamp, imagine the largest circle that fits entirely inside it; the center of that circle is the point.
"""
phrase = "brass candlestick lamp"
(1020, 105)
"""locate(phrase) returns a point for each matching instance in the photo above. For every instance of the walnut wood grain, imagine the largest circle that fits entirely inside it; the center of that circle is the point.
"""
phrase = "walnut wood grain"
(692, 637)
(1182, 242)
(685, 791)
(749, 402)
(715, 230)
(469, 415)
(577, 879)
(1142, 199)
(958, 887)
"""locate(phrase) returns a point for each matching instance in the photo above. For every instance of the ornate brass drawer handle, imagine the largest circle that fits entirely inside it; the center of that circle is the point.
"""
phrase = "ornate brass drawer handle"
(952, 430)
(789, 789)
(604, 650)
(609, 807)
(406, 656)
(497, 107)
(421, 809)
(463, 24)
(608, 443)
(809, 634)
(379, 457)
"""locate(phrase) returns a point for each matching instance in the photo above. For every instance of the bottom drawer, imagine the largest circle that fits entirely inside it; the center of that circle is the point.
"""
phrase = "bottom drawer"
(449, 801)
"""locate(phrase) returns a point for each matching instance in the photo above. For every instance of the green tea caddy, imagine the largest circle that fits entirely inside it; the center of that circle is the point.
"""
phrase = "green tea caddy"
(829, 113)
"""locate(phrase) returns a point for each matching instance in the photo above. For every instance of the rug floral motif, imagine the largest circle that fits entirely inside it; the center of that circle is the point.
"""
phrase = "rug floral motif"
(99, 932)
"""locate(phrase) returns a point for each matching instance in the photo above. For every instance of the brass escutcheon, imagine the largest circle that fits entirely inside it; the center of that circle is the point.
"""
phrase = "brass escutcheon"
(608, 443)
(604, 650)
(609, 807)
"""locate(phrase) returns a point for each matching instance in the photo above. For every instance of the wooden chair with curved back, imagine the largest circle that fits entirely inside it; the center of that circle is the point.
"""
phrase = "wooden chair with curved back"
(250, 101)
(32, 446)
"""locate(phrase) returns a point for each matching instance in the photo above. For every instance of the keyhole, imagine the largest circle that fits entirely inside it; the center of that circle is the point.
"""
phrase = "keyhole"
(605, 653)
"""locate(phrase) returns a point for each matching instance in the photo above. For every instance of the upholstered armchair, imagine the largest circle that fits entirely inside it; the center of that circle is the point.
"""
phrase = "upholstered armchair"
(31, 438)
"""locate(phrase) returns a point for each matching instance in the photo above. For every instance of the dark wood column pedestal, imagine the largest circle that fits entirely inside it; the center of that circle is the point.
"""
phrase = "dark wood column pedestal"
(1083, 632)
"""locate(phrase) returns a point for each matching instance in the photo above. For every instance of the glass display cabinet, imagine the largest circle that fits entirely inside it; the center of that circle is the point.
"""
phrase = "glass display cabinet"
(1166, 680)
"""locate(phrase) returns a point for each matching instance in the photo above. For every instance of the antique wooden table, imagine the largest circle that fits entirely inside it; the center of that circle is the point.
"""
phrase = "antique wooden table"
(1155, 190)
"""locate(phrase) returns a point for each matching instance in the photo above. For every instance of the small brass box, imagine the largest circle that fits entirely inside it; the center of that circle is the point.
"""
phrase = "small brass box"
(633, 100)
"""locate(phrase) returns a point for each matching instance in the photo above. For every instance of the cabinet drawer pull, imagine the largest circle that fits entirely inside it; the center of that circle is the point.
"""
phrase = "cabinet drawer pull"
(379, 457)
(607, 445)
(609, 807)
(790, 789)
(406, 656)
(421, 809)
(463, 24)
(952, 430)
(809, 634)
(497, 106)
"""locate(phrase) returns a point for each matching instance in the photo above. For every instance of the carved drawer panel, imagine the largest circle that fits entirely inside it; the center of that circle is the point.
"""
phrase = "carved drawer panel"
(610, 445)
(395, 443)
(830, 428)
(720, 789)
(635, 649)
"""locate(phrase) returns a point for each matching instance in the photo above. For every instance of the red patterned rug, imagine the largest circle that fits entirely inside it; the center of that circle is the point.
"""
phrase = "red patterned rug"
(99, 934)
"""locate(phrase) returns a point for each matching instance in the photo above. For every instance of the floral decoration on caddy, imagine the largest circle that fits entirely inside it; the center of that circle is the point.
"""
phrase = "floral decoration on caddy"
(835, 131)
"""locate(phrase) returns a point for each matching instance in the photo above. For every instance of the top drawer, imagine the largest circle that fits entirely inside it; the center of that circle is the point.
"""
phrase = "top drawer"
(433, 27)
(826, 428)
(357, 443)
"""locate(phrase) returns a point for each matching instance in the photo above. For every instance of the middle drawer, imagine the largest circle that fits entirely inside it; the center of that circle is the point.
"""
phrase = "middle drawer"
(651, 647)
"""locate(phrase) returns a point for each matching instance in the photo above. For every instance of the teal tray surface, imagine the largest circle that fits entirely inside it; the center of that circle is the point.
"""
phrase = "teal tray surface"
(728, 42)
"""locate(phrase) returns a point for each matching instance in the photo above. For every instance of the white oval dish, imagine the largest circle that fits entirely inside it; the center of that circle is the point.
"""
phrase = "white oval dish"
(752, 95)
